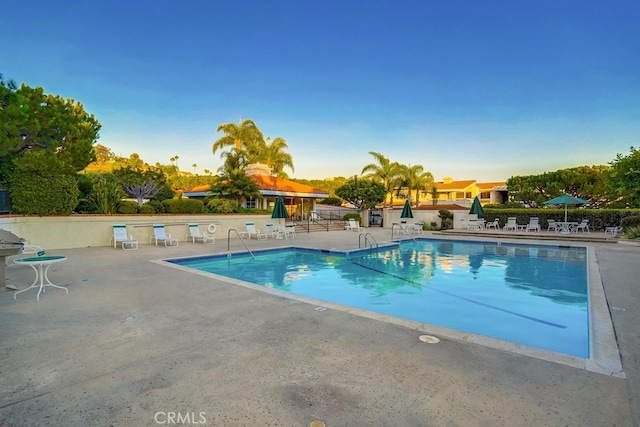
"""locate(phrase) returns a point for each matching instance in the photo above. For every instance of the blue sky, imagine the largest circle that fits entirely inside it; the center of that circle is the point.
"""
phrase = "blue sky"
(468, 89)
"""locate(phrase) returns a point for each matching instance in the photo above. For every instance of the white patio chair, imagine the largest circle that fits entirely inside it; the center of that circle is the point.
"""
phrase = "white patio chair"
(418, 228)
(533, 224)
(271, 231)
(159, 234)
(552, 225)
(120, 236)
(612, 231)
(252, 231)
(584, 226)
(511, 225)
(196, 235)
(290, 231)
(495, 224)
(353, 225)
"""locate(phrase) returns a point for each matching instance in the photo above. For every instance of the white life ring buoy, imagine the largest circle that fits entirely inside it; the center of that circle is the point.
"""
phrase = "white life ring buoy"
(212, 228)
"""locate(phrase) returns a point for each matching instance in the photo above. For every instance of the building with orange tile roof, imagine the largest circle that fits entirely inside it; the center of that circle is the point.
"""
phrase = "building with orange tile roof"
(300, 199)
(463, 192)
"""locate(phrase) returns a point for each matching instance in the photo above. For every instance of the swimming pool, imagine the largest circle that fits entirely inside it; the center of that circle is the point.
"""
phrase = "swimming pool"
(528, 294)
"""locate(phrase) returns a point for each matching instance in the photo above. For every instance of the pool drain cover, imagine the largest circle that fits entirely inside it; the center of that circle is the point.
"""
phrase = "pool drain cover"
(429, 339)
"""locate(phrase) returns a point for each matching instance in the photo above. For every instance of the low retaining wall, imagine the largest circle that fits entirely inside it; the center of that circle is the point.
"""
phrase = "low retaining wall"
(82, 231)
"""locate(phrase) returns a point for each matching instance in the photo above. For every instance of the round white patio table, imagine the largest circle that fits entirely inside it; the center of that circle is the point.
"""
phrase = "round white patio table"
(566, 226)
(40, 265)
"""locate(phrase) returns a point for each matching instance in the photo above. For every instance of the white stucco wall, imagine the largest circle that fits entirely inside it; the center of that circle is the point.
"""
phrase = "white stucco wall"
(81, 231)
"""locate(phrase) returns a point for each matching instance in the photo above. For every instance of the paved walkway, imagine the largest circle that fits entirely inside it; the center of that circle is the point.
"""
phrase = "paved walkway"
(137, 343)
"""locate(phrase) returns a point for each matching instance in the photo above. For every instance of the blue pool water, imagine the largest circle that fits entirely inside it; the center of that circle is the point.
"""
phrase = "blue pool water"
(532, 295)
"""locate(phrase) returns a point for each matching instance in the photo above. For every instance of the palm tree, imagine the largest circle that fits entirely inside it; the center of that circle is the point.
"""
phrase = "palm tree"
(236, 158)
(275, 156)
(414, 178)
(245, 136)
(384, 171)
(237, 184)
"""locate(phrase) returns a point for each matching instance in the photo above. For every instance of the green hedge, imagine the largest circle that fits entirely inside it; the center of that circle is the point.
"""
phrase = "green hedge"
(35, 193)
(598, 218)
(188, 206)
(630, 221)
(146, 208)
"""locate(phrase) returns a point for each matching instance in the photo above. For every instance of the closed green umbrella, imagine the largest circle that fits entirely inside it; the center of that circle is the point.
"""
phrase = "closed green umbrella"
(406, 210)
(476, 207)
(566, 200)
(279, 210)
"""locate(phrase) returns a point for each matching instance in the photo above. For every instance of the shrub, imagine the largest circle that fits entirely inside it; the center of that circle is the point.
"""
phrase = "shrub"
(106, 195)
(355, 216)
(146, 208)
(127, 207)
(222, 206)
(34, 193)
(632, 233)
(629, 222)
(188, 206)
(157, 205)
(446, 218)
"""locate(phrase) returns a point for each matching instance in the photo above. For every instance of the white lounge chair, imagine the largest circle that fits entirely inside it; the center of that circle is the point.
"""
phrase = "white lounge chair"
(511, 224)
(120, 236)
(271, 231)
(252, 231)
(612, 231)
(159, 234)
(584, 226)
(533, 225)
(290, 231)
(495, 224)
(352, 225)
(417, 228)
(196, 235)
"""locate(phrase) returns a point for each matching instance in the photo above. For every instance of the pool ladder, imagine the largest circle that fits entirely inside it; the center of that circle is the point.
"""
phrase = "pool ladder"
(241, 239)
(365, 237)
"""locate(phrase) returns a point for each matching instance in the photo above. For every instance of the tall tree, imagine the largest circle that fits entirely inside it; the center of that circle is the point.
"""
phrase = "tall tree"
(103, 154)
(275, 156)
(413, 178)
(623, 179)
(245, 136)
(383, 171)
(42, 132)
(362, 193)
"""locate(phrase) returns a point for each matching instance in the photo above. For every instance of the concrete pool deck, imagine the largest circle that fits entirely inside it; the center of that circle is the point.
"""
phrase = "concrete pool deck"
(137, 343)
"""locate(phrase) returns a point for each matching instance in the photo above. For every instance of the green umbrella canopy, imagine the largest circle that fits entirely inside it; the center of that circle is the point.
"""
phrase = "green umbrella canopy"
(406, 210)
(566, 200)
(476, 207)
(279, 210)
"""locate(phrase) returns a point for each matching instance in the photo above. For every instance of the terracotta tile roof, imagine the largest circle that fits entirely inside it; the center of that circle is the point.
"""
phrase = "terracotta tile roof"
(490, 185)
(455, 185)
(274, 183)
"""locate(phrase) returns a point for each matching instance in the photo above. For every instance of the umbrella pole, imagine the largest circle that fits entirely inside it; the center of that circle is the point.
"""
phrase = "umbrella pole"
(565, 212)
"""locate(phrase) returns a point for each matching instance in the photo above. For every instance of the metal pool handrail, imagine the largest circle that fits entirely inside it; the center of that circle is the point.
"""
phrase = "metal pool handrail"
(241, 239)
(366, 239)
